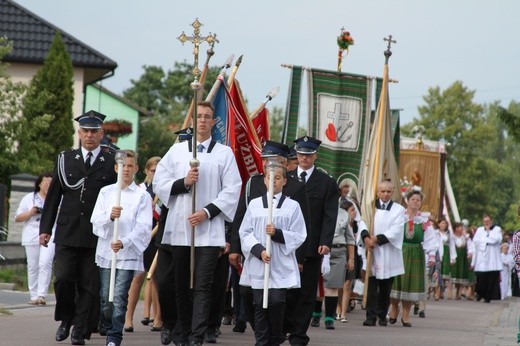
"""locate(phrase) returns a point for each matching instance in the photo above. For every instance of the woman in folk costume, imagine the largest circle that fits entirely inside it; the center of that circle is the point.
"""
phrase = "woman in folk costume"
(460, 267)
(287, 233)
(419, 238)
(448, 257)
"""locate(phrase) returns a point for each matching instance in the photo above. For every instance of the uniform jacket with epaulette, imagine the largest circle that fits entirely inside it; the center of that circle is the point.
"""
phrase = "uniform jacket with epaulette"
(73, 227)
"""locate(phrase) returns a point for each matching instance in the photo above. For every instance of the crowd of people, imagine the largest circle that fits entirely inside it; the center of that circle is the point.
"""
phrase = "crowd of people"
(277, 253)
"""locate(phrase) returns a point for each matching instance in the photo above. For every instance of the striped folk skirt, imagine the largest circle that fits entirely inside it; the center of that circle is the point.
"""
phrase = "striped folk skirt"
(459, 270)
(410, 286)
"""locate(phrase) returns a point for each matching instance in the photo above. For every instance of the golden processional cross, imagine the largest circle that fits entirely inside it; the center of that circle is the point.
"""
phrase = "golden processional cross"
(196, 39)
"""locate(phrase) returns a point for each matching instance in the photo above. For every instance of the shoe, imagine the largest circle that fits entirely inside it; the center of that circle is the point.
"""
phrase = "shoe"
(103, 332)
(415, 310)
(210, 338)
(156, 329)
(145, 321)
(195, 343)
(369, 323)
(478, 298)
(227, 320)
(406, 324)
(111, 344)
(422, 314)
(383, 322)
(329, 324)
(76, 338)
(315, 322)
(487, 300)
(42, 301)
(166, 336)
(344, 320)
(63, 331)
(33, 302)
(126, 329)
(392, 320)
(338, 317)
(240, 326)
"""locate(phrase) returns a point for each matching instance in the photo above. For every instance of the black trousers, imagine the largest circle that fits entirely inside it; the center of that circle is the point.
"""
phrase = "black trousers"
(193, 315)
(246, 294)
(269, 322)
(218, 293)
(487, 285)
(165, 279)
(76, 287)
(300, 302)
(378, 298)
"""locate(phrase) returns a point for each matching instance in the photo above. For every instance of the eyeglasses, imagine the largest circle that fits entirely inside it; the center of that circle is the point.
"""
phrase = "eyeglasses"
(204, 117)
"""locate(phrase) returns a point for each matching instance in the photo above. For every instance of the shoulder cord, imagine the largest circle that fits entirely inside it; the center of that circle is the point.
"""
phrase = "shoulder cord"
(62, 175)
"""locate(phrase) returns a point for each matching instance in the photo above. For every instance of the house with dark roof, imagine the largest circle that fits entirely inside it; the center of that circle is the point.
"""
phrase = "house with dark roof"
(32, 37)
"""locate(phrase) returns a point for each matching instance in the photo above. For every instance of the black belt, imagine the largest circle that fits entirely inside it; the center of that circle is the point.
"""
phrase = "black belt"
(338, 245)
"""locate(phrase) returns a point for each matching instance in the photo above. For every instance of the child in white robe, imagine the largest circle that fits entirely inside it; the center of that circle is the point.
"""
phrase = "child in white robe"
(287, 233)
(505, 274)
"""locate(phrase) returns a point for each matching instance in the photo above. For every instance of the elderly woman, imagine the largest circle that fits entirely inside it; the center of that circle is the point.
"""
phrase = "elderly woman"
(419, 238)
(39, 258)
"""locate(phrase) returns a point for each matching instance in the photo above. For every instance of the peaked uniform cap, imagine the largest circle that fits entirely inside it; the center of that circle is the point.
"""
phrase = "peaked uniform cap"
(306, 145)
(91, 120)
(185, 134)
(272, 148)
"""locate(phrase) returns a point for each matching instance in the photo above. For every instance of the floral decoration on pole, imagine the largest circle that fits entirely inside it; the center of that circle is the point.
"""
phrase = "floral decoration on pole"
(344, 41)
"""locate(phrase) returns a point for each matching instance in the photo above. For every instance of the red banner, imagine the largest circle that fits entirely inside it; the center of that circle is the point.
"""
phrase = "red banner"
(261, 125)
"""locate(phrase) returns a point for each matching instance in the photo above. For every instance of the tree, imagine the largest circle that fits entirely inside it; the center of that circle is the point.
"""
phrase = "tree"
(50, 92)
(481, 176)
(167, 97)
(14, 128)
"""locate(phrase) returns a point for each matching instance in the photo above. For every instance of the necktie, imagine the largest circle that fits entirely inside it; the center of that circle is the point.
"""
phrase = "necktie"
(302, 176)
(87, 161)
(200, 148)
(383, 206)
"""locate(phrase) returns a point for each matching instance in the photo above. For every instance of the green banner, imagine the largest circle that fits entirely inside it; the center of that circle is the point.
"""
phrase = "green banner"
(293, 106)
(340, 112)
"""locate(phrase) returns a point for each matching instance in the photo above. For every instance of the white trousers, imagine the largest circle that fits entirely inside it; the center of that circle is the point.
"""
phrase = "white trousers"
(39, 268)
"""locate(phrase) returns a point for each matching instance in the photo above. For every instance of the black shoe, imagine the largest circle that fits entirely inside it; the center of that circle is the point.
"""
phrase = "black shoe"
(478, 298)
(126, 329)
(415, 310)
(227, 320)
(329, 325)
(406, 324)
(63, 331)
(166, 336)
(76, 338)
(103, 332)
(210, 338)
(240, 327)
(392, 320)
(422, 314)
(369, 323)
(145, 321)
(315, 322)
(383, 322)
(195, 343)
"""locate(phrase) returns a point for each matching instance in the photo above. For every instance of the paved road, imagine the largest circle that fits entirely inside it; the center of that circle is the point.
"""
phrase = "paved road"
(447, 322)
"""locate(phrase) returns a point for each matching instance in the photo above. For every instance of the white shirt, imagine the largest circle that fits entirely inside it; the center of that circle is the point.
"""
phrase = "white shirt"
(219, 183)
(388, 258)
(487, 249)
(31, 227)
(135, 226)
(284, 271)
(94, 152)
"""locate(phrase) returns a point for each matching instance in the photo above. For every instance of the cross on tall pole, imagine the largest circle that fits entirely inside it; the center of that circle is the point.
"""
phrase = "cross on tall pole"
(196, 39)
(388, 52)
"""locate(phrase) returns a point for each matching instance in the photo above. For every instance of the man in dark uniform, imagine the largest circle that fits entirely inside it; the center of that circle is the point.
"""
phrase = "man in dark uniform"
(322, 192)
(77, 179)
(255, 187)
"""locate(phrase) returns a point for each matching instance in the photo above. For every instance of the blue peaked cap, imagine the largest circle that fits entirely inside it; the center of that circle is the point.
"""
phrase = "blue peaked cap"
(307, 145)
(91, 120)
(272, 148)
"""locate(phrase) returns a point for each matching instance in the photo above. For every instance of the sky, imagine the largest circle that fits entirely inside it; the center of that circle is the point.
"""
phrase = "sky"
(438, 42)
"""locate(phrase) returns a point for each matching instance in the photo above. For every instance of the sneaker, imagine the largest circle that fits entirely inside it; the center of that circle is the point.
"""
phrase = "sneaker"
(111, 344)
(315, 322)
(344, 320)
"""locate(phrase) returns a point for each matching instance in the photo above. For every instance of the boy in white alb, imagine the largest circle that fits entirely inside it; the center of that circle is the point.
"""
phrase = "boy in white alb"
(135, 225)
(287, 233)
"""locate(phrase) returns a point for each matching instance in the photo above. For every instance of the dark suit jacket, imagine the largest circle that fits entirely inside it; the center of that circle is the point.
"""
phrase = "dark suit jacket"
(323, 194)
(293, 189)
(73, 227)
